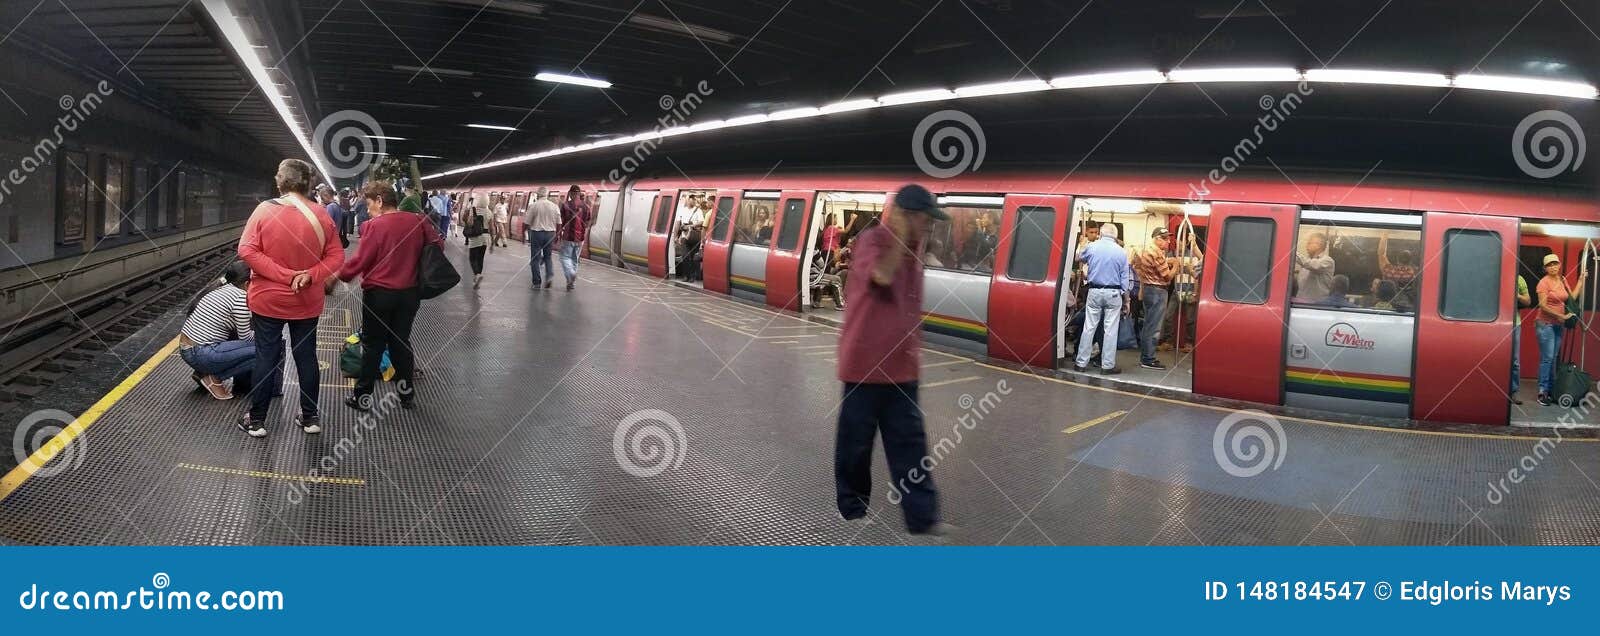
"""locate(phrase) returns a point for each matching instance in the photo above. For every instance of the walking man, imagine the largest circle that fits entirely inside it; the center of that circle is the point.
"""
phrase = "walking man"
(879, 365)
(502, 224)
(290, 247)
(541, 221)
(575, 217)
(1108, 278)
(1155, 271)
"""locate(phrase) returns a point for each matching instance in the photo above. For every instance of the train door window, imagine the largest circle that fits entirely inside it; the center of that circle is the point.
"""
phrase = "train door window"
(1471, 289)
(1245, 260)
(112, 196)
(1031, 242)
(753, 226)
(966, 242)
(852, 211)
(793, 216)
(74, 200)
(663, 215)
(720, 223)
(1357, 260)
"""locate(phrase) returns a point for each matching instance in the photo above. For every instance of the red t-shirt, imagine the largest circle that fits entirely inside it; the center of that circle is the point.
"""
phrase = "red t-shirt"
(277, 242)
(1555, 297)
(881, 342)
(390, 247)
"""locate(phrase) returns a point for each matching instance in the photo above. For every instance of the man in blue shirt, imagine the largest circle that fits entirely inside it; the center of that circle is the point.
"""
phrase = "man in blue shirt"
(1109, 277)
(441, 206)
(336, 211)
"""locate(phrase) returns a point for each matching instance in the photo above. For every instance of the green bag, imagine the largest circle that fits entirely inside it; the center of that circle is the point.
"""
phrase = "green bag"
(350, 356)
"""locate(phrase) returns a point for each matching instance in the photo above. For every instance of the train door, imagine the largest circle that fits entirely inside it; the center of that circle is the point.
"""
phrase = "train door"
(519, 204)
(784, 272)
(1243, 309)
(601, 245)
(844, 210)
(1463, 361)
(752, 238)
(638, 209)
(1024, 293)
(716, 248)
(659, 243)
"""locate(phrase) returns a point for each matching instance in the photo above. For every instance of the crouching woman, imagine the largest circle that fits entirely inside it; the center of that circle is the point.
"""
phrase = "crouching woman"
(216, 340)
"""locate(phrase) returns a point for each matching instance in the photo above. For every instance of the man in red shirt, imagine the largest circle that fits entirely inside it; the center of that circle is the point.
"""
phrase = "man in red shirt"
(386, 260)
(291, 246)
(575, 217)
(879, 353)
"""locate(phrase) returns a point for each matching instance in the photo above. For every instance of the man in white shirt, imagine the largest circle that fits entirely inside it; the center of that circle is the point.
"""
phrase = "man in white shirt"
(541, 220)
(502, 224)
(691, 229)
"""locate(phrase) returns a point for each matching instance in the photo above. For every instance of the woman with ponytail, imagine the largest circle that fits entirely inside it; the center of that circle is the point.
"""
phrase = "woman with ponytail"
(216, 339)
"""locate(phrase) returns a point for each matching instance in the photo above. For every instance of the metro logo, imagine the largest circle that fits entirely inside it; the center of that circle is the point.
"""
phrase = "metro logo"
(1343, 334)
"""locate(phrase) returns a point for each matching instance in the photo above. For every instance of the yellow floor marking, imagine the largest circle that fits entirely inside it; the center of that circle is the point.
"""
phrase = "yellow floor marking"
(1099, 420)
(344, 481)
(1224, 409)
(944, 364)
(949, 355)
(14, 479)
(824, 352)
(827, 346)
(785, 342)
(944, 382)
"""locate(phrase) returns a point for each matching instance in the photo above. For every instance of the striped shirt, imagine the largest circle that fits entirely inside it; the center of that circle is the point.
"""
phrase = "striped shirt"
(220, 315)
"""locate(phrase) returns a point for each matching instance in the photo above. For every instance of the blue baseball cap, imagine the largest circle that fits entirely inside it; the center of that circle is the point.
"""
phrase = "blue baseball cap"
(915, 198)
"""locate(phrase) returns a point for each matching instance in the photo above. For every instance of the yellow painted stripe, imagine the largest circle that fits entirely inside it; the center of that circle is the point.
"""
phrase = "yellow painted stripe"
(346, 481)
(944, 382)
(1223, 409)
(14, 479)
(1330, 377)
(1099, 420)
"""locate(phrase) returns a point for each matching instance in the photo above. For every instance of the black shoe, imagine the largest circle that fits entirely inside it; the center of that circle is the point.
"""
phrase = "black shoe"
(251, 427)
(359, 402)
(569, 285)
(1544, 399)
(1111, 371)
(1514, 399)
(309, 424)
(1153, 364)
(196, 377)
(1080, 368)
(408, 404)
(547, 284)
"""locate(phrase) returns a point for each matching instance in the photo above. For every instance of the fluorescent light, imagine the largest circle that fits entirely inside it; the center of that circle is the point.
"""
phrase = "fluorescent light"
(914, 97)
(1527, 85)
(425, 157)
(1115, 206)
(432, 69)
(1265, 74)
(1003, 88)
(1563, 230)
(571, 79)
(1362, 76)
(707, 125)
(963, 199)
(1341, 216)
(680, 27)
(490, 127)
(747, 120)
(794, 113)
(386, 137)
(369, 152)
(408, 105)
(761, 194)
(1197, 209)
(1118, 78)
(847, 106)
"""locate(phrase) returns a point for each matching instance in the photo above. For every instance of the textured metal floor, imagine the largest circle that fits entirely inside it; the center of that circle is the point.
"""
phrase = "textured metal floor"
(515, 443)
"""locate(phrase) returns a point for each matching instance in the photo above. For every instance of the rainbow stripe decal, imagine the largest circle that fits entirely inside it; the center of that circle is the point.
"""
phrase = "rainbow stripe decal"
(636, 260)
(955, 327)
(1348, 384)
(595, 250)
(745, 283)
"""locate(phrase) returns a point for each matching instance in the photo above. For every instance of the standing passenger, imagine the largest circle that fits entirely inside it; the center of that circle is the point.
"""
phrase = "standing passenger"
(1553, 317)
(441, 204)
(541, 221)
(1523, 301)
(474, 235)
(879, 366)
(1314, 269)
(575, 217)
(336, 211)
(502, 224)
(1155, 271)
(291, 252)
(1108, 278)
(387, 264)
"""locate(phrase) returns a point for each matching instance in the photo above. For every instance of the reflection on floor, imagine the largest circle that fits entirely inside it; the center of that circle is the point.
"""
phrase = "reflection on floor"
(1531, 413)
(1178, 376)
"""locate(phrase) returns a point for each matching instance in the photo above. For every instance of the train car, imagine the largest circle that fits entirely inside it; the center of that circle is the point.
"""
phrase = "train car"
(1414, 319)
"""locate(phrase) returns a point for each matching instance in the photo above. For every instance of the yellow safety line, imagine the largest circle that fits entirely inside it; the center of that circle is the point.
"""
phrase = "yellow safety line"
(1223, 409)
(14, 479)
(944, 382)
(1099, 420)
(346, 481)
(945, 363)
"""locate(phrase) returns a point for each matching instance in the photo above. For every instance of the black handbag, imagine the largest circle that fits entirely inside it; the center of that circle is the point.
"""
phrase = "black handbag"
(435, 274)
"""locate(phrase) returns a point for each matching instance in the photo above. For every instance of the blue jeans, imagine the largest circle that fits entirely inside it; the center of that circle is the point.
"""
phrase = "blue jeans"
(1100, 305)
(268, 374)
(539, 245)
(227, 359)
(570, 250)
(1155, 307)
(1516, 358)
(890, 410)
(1549, 349)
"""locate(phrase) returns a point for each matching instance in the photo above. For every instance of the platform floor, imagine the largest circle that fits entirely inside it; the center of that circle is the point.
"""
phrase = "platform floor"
(516, 443)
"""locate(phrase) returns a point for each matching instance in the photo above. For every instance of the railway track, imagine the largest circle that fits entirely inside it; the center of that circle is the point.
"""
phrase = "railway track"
(49, 345)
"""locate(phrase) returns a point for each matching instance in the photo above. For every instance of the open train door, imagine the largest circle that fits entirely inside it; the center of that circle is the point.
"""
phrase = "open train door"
(1026, 288)
(1244, 301)
(1464, 319)
(784, 255)
(714, 247)
(659, 249)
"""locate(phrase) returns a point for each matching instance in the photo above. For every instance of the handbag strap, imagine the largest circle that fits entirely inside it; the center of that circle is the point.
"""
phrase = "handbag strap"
(322, 238)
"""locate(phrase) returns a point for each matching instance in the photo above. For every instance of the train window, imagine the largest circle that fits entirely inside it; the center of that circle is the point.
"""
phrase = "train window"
(154, 213)
(966, 242)
(112, 196)
(1470, 288)
(1338, 264)
(794, 215)
(663, 215)
(753, 226)
(1031, 243)
(74, 199)
(719, 224)
(1245, 260)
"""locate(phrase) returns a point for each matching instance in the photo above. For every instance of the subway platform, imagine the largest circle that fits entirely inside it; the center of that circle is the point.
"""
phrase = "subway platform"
(634, 411)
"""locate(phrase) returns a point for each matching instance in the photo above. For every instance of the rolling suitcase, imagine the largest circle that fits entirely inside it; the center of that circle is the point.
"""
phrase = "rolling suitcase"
(1571, 382)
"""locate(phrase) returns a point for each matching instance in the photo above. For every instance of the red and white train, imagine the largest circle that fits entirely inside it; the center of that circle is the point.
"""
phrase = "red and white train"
(999, 275)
